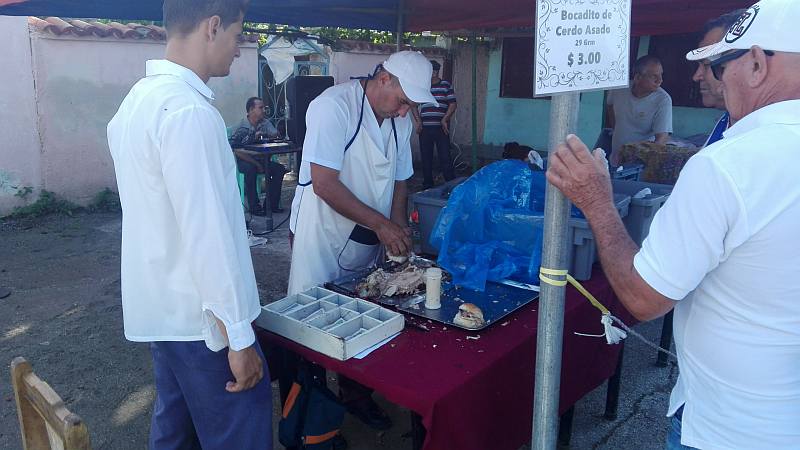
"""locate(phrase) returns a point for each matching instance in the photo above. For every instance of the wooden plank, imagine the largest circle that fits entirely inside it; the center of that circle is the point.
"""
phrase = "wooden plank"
(43, 416)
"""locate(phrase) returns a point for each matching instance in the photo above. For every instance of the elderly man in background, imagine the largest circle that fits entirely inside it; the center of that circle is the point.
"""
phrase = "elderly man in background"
(643, 111)
(710, 89)
(722, 251)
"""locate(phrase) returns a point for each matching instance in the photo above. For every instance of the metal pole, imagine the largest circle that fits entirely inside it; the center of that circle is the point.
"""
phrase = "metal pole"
(401, 23)
(549, 335)
(474, 103)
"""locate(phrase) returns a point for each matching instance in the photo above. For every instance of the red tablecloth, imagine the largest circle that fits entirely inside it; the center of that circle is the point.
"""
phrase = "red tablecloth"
(478, 394)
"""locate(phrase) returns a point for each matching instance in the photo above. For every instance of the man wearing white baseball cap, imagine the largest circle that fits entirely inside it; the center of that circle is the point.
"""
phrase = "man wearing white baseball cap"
(350, 201)
(723, 250)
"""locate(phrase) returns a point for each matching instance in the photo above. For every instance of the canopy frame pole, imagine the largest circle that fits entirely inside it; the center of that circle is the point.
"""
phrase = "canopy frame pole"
(474, 39)
(550, 329)
(401, 23)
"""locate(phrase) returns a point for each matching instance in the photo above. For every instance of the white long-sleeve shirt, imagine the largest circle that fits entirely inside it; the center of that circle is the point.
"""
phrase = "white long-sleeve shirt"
(185, 254)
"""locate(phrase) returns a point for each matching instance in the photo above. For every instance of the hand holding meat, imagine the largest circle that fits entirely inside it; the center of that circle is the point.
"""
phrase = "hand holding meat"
(397, 239)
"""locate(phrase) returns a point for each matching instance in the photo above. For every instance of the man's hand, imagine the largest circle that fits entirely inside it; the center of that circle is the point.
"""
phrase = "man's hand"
(259, 135)
(247, 368)
(445, 126)
(396, 238)
(581, 176)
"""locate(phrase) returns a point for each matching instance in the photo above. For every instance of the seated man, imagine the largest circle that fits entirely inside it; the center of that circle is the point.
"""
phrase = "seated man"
(252, 128)
(643, 111)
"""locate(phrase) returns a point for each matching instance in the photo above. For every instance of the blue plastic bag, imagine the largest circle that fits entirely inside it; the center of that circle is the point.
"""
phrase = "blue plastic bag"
(491, 227)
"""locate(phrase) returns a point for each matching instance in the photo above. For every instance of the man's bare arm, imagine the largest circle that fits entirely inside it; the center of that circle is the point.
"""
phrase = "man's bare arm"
(245, 157)
(611, 120)
(584, 179)
(400, 204)
(416, 119)
(662, 138)
(246, 365)
(328, 187)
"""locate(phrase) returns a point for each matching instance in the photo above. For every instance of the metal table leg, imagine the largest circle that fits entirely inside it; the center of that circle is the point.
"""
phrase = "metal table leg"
(612, 394)
(666, 340)
(417, 431)
(565, 427)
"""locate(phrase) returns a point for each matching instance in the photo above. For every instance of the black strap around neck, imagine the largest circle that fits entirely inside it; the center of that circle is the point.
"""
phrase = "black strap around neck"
(358, 127)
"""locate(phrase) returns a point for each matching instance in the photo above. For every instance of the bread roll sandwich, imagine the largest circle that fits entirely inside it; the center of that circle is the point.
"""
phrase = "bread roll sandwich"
(469, 316)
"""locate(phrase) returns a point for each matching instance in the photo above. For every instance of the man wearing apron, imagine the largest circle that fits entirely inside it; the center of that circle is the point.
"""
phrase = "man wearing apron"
(350, 202)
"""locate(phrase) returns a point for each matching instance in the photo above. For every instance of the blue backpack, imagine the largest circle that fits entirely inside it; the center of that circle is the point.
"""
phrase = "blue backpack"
(312, 414)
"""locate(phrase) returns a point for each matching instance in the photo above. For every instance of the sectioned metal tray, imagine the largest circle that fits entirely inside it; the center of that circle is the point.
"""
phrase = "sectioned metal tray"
(333, 324)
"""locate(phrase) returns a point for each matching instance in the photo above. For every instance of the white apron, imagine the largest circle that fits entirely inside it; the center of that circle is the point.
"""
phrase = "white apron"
(328, 245)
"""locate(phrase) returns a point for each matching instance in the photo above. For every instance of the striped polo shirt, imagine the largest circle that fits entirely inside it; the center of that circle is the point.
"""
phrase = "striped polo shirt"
(432, 114)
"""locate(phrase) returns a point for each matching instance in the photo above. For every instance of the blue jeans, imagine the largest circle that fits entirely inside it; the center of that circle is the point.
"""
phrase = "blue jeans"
(193, 410)
(674, 435)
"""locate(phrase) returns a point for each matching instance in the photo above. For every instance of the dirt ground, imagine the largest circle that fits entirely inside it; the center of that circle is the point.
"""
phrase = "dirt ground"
(64, 316)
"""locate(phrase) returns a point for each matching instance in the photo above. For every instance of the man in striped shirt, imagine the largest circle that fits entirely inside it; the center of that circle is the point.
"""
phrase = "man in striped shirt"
(433, 126)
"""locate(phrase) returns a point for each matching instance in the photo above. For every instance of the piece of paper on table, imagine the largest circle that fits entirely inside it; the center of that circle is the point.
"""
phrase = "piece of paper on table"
(369, 350)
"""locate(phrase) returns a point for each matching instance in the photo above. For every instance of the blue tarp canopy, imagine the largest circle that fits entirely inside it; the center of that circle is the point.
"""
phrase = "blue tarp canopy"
(649, 17)
(372, 14)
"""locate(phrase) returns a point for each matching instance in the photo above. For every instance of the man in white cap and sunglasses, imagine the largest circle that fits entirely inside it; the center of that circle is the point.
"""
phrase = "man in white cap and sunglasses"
(723, 250)
(350, 201)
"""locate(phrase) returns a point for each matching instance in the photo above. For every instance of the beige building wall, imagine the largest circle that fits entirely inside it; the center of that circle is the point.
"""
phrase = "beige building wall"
(79, 84)
(20, 149)
(462, 85)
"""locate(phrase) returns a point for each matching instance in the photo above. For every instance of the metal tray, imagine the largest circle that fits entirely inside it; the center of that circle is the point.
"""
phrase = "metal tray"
(346, 285)
(496, 302)
(330, 323)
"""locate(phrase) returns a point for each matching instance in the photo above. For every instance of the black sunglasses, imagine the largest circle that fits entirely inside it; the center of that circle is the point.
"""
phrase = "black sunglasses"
(717, 66)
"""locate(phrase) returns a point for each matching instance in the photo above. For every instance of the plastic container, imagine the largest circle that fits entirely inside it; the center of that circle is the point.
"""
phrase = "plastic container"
(642, 210)
(630, 172)
(433, 288)
(583, 250)
(428, 204)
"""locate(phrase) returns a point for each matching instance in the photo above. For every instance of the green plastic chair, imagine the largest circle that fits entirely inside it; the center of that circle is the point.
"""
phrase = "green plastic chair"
(240, 176)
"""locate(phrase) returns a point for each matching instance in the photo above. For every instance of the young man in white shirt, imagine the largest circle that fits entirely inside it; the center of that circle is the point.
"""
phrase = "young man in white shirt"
(723, 249)
(188, 286)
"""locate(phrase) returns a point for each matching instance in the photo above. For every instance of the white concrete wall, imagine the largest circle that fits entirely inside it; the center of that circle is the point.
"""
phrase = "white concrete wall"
(20, 149)
(344, 65)
(79, 84)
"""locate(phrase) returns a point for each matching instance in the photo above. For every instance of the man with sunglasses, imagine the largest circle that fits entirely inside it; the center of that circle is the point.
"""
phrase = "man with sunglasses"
(710, 89)
(722, 251)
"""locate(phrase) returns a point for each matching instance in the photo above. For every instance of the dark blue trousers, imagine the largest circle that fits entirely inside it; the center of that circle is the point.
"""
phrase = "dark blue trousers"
(194, 411)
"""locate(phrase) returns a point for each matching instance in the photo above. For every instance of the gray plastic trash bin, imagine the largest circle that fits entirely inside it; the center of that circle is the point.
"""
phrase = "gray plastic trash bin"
(642, 210)
(583, 249)
(428, 204)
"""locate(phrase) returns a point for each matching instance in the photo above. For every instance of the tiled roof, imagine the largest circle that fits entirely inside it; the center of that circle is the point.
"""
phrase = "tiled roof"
(356, 46)
(74, 27)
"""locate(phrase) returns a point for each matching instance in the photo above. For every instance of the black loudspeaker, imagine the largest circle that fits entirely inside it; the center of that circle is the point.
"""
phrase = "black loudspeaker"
(300, 90)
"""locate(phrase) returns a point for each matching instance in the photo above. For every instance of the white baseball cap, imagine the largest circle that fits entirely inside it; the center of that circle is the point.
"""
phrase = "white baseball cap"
(414, 72)
(768, 24)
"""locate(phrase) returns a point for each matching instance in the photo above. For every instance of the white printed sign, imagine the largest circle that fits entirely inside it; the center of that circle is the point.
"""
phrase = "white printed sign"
(581, 45)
